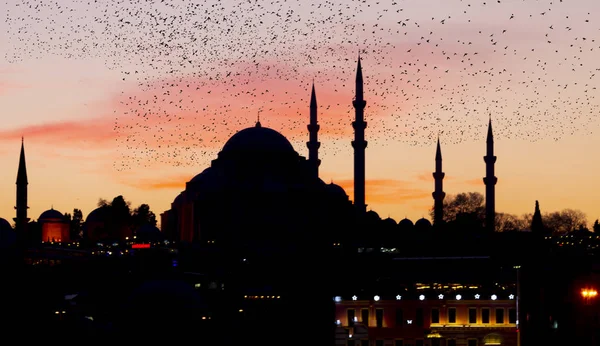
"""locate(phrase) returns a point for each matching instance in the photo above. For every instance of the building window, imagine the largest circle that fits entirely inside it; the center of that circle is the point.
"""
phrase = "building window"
(499, 316)
(472, 315)
(435, 315)
(351, 342)
(451, 315)
(378, 342)
(364, 343)
(435, 342)
(364, 314)
(379, 318)
(485, 315)
(512, 315)
(419, 317)
(451, 342)
(419, 342)
(472, 342)
(399, 343)
(351, 314)
(399, 318)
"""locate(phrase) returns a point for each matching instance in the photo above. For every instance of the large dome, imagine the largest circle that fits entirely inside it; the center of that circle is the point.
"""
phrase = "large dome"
(257, 139)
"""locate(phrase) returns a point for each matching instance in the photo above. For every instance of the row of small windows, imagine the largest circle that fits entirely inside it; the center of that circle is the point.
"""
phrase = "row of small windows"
(435, 316)
(418, 342)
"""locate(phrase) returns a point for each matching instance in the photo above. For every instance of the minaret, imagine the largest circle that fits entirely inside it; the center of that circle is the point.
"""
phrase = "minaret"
(313, 129)
(438, 194)
(359, 144)
(490, 182)
(21, 220)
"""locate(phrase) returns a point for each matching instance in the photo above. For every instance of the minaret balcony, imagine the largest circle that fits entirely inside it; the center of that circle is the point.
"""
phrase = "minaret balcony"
(489, 159)
(359, 144)
(359, 103)
(360, 124)
(491, 180)
(313, 127)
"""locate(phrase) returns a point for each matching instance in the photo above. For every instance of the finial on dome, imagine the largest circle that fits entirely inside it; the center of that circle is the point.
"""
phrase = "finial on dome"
(258, 119)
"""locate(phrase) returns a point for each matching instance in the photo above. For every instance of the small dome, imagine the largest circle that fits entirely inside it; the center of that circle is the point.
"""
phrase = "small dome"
(51, 215)
(389, 222)
(257, 140)
(423, 223)
(4, 224)
(372, 214)
(405, 223)
(8, 237)
(97, 215)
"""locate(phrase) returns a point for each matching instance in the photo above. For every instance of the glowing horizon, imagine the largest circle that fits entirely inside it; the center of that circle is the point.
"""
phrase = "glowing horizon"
(102, 121)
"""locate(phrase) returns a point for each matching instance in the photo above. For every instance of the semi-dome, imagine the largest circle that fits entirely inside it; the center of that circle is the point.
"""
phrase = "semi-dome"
(51, 214)
(180, 198)
(257, 139)
(201, 176)
(336, 190)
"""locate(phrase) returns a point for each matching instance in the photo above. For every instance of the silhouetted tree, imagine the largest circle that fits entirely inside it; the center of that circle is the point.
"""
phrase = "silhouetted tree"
(465, 203)
(564, 221)
(102, 203)
(142, 215)
(596, 227)
(507, 223)
(76, 224)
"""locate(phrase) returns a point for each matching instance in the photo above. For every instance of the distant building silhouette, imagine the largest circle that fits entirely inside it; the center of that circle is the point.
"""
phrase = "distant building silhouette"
(359, 144)
(21, 220)
(438, 194)
(313, 129)
(537, 225)
(490, 181)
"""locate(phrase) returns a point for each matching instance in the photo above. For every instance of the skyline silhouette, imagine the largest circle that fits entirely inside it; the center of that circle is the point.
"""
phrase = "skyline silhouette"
(88, 123)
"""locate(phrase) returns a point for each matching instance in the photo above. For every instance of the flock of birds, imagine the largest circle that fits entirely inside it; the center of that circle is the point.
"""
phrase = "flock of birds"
(203, 70)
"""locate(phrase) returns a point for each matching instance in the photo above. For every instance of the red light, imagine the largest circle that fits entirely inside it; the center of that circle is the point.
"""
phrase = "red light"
(140, 246)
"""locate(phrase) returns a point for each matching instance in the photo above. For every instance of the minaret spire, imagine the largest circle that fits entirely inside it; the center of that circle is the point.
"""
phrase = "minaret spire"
(490, 181)
(313, 128)
(21, 207)
(359, 144)
(438, 194)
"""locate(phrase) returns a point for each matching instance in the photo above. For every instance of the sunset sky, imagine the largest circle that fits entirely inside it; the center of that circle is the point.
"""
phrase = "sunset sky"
(126, 98)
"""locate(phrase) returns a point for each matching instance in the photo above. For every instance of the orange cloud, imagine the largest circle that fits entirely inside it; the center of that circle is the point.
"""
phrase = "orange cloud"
(475, 182)
(173, 182)
(386, 191)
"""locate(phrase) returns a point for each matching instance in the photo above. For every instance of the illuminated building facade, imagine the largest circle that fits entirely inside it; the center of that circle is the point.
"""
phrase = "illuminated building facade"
(428, 317)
